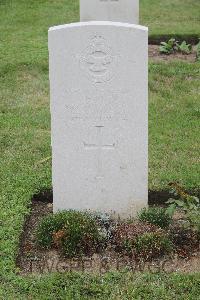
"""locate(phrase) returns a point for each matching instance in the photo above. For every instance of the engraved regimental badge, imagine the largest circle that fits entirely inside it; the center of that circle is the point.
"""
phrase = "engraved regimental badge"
(98, 61)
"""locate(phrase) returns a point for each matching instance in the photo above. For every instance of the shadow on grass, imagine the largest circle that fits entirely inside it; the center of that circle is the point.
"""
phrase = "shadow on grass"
(154, 198)
(157, 39)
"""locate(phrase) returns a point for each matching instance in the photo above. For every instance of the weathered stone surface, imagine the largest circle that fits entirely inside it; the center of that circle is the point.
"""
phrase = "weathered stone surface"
(99, 111)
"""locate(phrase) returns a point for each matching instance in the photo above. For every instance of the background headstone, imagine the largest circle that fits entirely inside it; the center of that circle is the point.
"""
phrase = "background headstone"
(126, 11)
(99, 111)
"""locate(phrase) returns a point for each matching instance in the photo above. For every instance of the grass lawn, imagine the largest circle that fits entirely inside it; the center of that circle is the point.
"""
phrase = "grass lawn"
(179, 18)
(174, 139)
(24, 23)
(110, 286)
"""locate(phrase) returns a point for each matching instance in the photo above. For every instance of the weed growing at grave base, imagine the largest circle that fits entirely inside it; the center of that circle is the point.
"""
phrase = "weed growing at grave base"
(190, 205)
(155, 215)
(172, 46)
(185, 48)
(72, 232)
(168, 47)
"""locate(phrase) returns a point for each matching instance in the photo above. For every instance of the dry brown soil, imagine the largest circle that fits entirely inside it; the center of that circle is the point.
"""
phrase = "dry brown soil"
(154, 55)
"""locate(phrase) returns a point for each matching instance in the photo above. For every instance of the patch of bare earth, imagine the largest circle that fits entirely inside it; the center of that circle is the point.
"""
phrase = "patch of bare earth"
(155, 55)
(32, 259)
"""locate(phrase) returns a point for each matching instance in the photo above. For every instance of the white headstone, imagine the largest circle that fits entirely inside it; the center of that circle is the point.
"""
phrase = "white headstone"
(99, 111)
(126, 11)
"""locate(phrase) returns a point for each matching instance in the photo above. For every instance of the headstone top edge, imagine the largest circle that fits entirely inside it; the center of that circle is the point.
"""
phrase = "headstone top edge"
(99, 23)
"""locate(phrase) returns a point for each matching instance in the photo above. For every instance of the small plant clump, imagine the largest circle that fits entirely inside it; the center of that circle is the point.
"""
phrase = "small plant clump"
(184, 48)
(169, 46)
(141, 240)
(152, 245)
(190, 205)
(155, 215)
(74, 233)
(173, 46)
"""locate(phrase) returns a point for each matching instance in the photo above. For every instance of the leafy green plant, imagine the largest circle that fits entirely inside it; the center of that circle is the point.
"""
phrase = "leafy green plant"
(168, 47)
(197, 48)
(155, 215)
(173, 46)
(184, 48)
(75, 233)
(188, 204)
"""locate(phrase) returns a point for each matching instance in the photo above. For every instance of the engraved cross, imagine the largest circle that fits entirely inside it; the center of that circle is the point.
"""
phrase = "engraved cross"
(99, 147)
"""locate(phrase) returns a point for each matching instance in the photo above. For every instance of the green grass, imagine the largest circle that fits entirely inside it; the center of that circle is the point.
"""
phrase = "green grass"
(174, 113)
(178, 18)
(110, 286)
(24, 24)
